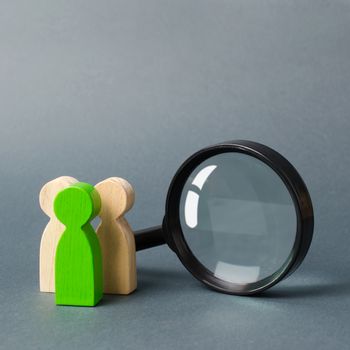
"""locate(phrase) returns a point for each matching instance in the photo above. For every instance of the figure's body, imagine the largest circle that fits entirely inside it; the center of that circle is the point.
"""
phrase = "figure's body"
(116, 237)
(52, 233)
(78, 266)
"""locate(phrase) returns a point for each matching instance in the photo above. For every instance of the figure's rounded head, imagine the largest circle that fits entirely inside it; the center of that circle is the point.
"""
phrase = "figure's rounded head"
(50, 190)
(117, 197)
(77, 204)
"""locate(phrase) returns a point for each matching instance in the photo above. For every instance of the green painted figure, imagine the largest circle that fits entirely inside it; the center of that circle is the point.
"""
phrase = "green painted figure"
(78, 262)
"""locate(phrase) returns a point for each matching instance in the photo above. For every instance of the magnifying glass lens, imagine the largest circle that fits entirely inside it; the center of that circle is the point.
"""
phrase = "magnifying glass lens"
(238, 218)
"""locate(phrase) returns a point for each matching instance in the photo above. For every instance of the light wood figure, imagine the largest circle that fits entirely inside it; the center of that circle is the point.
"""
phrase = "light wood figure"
(116, 237)
(52, 232)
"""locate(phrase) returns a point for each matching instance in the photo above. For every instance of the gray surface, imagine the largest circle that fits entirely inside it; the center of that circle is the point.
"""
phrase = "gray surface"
(100, 88)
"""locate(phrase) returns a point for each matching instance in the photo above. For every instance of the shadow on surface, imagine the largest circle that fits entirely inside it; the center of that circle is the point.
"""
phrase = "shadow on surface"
(151, 280)
(330, 288)
(158, 278)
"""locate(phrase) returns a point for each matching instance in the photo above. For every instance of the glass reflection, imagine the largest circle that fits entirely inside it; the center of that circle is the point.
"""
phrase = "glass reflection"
(191, 204)
(238, 218)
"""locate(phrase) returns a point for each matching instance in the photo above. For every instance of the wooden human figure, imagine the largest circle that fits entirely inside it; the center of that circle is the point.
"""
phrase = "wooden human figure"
(52, 232)
(116, 237)
(78, 265)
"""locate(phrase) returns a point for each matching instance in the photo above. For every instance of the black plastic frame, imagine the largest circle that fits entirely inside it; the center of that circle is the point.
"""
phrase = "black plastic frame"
(173, 234)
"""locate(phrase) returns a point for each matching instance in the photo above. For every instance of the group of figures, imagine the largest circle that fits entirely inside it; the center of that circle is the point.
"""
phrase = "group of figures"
(77, 263)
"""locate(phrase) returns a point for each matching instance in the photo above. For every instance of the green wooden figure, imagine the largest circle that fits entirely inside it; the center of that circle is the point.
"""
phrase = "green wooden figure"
(78, 262)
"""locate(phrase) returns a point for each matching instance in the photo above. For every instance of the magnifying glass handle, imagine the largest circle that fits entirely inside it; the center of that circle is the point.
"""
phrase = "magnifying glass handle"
(149, 238)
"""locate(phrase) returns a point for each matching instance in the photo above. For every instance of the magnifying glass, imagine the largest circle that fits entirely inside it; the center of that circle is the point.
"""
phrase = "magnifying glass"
(239, 217)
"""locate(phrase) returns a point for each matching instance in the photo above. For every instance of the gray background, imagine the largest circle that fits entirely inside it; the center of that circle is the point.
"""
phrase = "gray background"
(129, 88)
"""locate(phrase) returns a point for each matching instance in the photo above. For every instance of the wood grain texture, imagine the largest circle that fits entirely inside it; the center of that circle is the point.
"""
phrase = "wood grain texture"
(78, 263)
(116, 237)
(52, 233)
